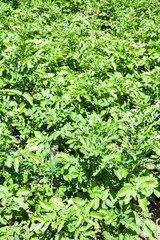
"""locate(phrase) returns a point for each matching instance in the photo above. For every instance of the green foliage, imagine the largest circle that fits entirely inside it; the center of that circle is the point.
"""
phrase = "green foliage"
(83, 75)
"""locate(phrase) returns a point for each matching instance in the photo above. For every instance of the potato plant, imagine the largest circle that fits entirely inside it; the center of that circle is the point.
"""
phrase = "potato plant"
(79, 119)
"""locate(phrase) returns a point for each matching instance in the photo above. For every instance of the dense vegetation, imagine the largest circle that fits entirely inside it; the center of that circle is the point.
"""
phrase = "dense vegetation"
(83, 75)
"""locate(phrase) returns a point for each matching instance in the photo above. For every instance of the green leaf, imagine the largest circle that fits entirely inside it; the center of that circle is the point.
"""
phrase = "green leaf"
(152, 226)
(142, 200)
(73, 173)
(124, 190)
(79, 221)
(38, 226)
(23, 192)
(38, 134)
(28, 97)
(11, 91)
(85, 228)
(128, 197)
(85, 75)
(76, 234)
(57, 203)
(107, 235)
(114, 65)
(109, 217)
(79, 201)
(157, 192)
(8, 162)
(135, 228)
(45, 227)
(88, 233)
(109, 203)
(96, 203)
(16, 164)
(121, 173)
(97, 215)
(16, 237)
(34, 157)
(60, 227)
(146, 230)
(147, 191)
(20, 202)
(88, 206)
(4, 192)
(46, 206)
(150, 183)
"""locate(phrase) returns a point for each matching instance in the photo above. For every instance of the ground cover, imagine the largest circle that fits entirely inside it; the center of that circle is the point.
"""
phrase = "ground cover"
(79, 119)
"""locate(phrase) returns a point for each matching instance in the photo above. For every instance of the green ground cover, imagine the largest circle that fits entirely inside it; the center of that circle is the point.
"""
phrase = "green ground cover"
(83, 76)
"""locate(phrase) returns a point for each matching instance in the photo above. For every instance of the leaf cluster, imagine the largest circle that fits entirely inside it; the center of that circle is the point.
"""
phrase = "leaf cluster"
(83, 76)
